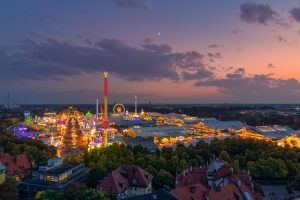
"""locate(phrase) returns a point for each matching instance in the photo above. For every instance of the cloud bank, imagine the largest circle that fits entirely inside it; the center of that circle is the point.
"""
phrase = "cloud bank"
(295, 13)
(52, 59)
(255, 88)
(143, 4)
(255, 13)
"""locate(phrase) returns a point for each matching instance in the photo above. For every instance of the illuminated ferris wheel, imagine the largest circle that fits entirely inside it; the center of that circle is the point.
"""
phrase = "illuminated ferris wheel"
(119, 109)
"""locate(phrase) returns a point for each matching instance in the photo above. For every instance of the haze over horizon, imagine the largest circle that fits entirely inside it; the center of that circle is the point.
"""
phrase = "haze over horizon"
(171, 51)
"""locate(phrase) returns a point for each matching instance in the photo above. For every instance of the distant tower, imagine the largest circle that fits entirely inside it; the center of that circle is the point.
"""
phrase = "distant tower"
(135, 105)
(51, 140)
(8, 100)
(97, 109)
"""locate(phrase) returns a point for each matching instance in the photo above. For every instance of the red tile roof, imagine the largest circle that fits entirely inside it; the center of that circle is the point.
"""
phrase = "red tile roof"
(112, 184)
(232, 178)
(227, 192)
(222, 172)
(194, 192)
(16, 165)
(245, 178)
(258, 196)
(123, 177)
(236, 187)
(215, 162)
(192, 176)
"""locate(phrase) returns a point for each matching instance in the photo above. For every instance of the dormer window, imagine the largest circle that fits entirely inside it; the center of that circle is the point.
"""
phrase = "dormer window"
(134, 181)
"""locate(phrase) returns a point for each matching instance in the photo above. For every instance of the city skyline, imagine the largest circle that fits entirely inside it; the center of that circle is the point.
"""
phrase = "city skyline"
(170, 51)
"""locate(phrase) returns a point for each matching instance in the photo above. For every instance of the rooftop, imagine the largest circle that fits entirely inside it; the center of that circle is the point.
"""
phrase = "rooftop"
(192, 175)
(162, 131)
(214, 182)
(195, 192)
(123, 177)
(226, 192)
(217, 124)
(36, 182)
(163, 193)
(15, 165)
(274, 131)
(62, 168)
(144, 142)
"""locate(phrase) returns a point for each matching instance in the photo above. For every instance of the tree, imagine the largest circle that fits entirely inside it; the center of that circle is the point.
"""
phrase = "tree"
(73, 191)
(194, 163)
(271, 168)
(257, 188)
(182, 165)
(8, 190)
(262, 159)
(91, 194)
(173, 164)
(95, 175)
(152, 170)
(249, 155)
(141, 162)
(236, 167)
(50, 195)
(163, 178)
(36, 149)
(252, 168)
(225, 156)
(296, 184)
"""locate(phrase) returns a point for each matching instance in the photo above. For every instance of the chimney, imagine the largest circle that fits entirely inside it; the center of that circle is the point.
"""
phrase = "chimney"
(193, 189)
(231, 169)
(239, 183)
(183, 172)
(191, 168)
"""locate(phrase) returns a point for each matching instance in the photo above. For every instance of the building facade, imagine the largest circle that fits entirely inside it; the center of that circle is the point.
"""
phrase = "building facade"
(127, 181)
(55, 175)
(215, 181)
(2, 173)
(16, 166)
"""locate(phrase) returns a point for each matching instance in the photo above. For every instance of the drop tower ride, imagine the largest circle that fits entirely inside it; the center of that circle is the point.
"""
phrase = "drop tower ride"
(105, 117)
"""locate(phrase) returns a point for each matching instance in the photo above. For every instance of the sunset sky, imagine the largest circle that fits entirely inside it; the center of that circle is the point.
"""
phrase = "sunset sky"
(166, 51)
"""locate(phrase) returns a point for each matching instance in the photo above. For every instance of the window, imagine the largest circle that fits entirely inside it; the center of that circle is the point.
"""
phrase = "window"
(63, 176)
(52, 178)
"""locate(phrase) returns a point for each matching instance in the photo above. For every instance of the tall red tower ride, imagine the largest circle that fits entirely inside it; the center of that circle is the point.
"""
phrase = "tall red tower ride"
(105, 117)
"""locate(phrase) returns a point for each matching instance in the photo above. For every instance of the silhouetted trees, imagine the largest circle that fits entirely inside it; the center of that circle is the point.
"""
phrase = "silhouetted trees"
(72, 192)
(8, 190)
(36, 149)
(264, 160)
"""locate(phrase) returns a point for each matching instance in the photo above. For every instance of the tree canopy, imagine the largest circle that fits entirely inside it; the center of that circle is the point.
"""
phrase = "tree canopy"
(264, 160)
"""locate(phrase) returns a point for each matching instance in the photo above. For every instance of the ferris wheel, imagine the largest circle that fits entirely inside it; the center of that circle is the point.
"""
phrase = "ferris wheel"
(119, 109)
